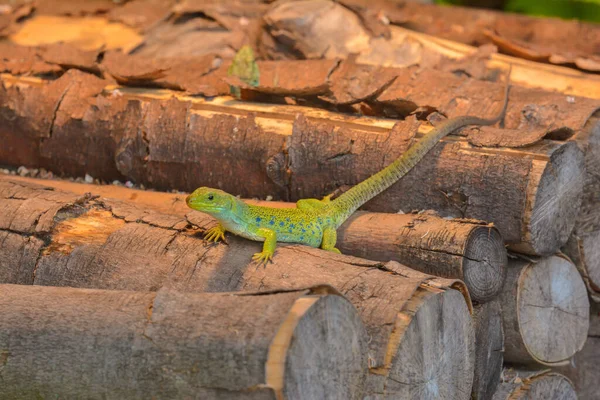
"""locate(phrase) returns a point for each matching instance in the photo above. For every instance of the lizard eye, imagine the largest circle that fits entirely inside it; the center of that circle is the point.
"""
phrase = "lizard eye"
(211, 197)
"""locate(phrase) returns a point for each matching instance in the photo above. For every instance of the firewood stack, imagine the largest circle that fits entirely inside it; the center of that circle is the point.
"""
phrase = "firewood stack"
(470, 278)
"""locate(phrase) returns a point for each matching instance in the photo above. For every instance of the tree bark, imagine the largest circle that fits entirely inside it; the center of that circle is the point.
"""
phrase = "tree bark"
(55, 238)
(545, 311)
(532, 195)
(489, 349)
(469, 250)
(583, 246)
(85, 343)
(535, 385)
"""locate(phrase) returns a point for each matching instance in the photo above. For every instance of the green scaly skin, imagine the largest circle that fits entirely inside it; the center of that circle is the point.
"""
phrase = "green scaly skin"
(314, 222)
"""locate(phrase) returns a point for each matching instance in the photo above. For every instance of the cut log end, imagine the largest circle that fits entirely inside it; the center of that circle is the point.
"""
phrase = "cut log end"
(551, 309)
(330, 325)
(557, 201)
(484, 267)
(435, 358)
(538, 386)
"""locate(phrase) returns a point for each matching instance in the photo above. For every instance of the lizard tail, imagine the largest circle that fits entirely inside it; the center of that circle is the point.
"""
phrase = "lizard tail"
(347, 203)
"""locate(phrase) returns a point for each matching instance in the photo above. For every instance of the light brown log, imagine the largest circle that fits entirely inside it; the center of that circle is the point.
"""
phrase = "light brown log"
(85, 343)
(534, 385)
(531, 194)
(463, 249)
(421, 334)
(489, 349)
(545, 311)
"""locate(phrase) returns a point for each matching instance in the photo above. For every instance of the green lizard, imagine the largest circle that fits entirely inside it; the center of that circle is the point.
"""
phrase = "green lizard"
(314, 222)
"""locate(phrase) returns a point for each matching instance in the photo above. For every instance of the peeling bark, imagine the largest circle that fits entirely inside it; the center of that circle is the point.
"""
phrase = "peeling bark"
(107, 244)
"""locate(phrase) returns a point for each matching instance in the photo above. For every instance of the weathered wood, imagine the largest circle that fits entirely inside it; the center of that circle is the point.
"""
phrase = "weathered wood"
(59, 239)
(556, 41)
(489, 349)
(463, 249)
(85, 343)
(534, 385)
(532, 195)
(545, 311)
(584, 369)
(583, 246)
(297, 30)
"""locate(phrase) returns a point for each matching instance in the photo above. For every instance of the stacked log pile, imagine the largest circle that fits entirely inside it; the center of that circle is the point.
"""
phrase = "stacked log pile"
(425, 302)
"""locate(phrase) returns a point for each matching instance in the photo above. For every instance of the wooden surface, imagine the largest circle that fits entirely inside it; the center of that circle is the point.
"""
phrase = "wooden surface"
(56, 238)
(532, 195)
(146, 25)
(489, 349)
(583, 246)
(83, 343)
(535, 385)
(464, 249)
(583, 369)
(545, 311)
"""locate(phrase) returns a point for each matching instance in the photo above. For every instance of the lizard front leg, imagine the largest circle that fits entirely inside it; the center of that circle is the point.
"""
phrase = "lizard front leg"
(329, 239)
(268, 251)
(215, 233)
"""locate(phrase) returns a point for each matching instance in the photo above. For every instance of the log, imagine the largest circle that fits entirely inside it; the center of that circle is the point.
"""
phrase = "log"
(583, 247)
(421, 335)
(85, 343)
(469, 250)
(545, 311)
(584, 370)
(489, 349)
(535, 385)
(532, 195)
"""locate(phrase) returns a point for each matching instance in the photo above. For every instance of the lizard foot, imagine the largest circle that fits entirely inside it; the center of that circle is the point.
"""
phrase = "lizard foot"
(215, 234)
(263, 257)
(334, 250)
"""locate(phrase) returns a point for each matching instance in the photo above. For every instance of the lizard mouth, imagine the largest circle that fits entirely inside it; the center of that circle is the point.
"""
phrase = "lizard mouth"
(202, 206)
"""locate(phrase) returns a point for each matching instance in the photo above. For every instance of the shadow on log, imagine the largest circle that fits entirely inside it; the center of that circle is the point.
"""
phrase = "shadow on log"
(584, 369)
(469, 250)
(421, 334)
(534, 385)
(489, 349)
(84, 343)
(545, 311)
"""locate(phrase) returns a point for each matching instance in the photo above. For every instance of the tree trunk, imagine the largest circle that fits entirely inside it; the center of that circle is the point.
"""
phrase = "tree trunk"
(463, 249)
(545, 311)
(531, 194)
(489, 349)
(535, 385)
(421, 334)
(86, 343)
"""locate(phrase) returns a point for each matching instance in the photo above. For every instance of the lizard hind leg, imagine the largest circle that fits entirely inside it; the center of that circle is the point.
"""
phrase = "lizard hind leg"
(329, 239)
(313, 204)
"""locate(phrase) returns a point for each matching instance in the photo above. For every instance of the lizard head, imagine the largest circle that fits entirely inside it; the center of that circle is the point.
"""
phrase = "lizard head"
(211, 201)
